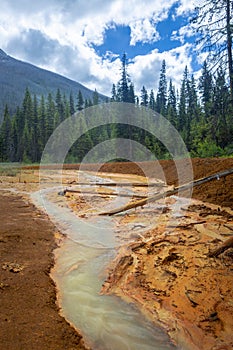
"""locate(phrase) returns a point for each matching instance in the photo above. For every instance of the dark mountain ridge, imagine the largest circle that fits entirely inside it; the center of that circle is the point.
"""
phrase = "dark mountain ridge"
(16, 76)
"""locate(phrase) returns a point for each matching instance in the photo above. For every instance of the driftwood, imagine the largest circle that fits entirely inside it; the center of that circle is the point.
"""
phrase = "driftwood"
(224, 246)
(101, 193)
(187, 226)
(119, 184)
(175, 190)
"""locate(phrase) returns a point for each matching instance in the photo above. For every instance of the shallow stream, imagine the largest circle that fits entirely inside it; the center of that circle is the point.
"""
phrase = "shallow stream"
(106, 322)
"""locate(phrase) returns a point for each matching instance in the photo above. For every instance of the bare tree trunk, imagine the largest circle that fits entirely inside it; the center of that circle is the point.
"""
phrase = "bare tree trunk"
(226, 245)
(229, 46)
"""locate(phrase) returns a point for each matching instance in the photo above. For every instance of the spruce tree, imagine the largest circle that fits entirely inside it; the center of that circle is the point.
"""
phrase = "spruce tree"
(6, 142)
(131, 94)
(152, 103)
(123, 86)
(60, 115)
(50, 115)
(43, 133)
(172, 105)
(144, 97)
(114, 94)
(206, 90)
(213, 25)
(95, 98)
(161, 99)
(72, 109)
(80, 101)
(34, 132)
(219, 126)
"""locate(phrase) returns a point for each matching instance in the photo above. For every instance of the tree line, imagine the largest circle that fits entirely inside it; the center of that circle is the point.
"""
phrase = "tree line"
(24, 135)
(201, 111)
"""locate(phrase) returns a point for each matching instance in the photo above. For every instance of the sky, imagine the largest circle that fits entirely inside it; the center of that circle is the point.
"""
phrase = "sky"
(84, 40)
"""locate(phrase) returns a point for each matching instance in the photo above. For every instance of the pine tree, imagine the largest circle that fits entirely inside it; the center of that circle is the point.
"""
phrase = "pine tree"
(17, 124)
(50, 113)
(206, 90)
(43, 134)
(220, 110)
(193, 105)
(27, 111)
(60, 115)
(183, 101)
(67, 109)
(26, 149)
(34, 132)
(25, 124)
(80, 101)
(123, 86)
(172, 105)
(131, 94)
(152, 103)
(14, 141)
(213, 25)
(95, 98)
(114, 94)
(6, 142)
(161, 99)
(72, 109)
(144, 97)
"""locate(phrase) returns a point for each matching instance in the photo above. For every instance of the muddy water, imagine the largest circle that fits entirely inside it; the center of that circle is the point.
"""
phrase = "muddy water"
(106, 322)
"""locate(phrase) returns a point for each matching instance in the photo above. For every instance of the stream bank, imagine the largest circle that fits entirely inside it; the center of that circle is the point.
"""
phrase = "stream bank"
(29, 315)
(220, 192)
(166, 270)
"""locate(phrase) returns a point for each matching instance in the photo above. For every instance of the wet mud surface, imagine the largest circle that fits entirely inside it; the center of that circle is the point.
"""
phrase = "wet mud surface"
(167, 273)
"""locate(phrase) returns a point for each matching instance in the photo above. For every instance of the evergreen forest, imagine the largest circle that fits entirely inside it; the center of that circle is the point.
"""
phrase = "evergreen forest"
(201, 111)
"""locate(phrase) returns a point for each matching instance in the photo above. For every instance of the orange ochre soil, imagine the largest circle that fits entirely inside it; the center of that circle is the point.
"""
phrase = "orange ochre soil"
(167, 272)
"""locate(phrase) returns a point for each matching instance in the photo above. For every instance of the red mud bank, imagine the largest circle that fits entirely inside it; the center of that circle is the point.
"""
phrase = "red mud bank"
(217, 192)
(29, 316)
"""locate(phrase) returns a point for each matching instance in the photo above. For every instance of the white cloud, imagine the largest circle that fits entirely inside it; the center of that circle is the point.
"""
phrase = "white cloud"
(146, 69)
(186, 6)
(143, 31)
(58, 35)
(183, 33)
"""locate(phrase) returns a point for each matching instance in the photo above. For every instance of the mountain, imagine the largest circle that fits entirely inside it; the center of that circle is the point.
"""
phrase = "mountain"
(16, 76)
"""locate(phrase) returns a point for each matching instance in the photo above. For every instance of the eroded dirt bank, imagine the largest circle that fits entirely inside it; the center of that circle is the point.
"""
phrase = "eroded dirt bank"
(29, 317)
(217, 192)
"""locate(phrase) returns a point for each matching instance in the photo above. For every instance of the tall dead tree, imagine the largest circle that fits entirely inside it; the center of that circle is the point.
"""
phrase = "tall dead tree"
(214, 28)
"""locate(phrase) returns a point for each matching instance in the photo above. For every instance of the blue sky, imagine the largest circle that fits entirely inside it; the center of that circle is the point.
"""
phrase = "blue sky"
(85, 40)
(117, 39)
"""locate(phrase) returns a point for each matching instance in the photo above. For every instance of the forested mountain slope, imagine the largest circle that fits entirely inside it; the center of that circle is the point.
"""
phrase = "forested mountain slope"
(16, 76)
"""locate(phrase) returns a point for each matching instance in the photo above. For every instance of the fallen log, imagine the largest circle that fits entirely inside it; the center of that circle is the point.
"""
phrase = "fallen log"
(101, 193)
(142, 202)
(119, 184)
(224, 246)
